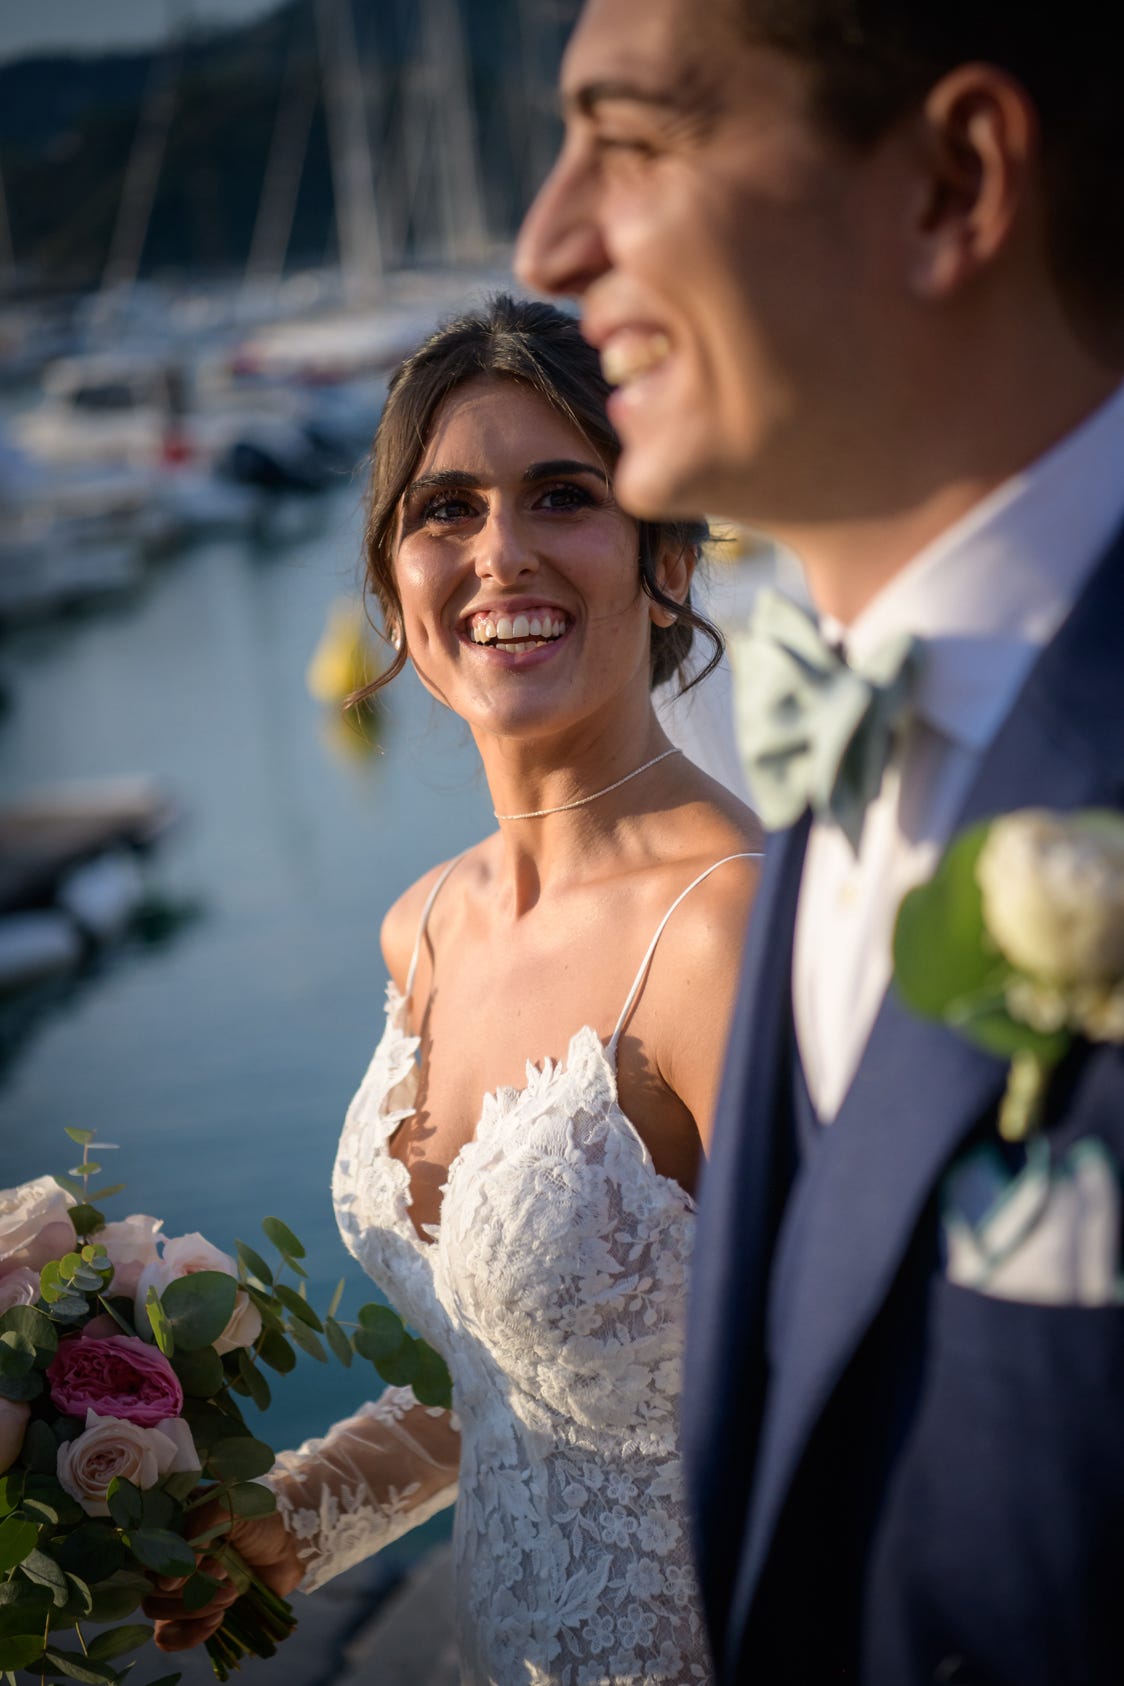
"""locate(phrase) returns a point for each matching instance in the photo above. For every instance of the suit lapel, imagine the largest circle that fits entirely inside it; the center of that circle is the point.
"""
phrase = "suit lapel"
(859, 1201)
(745, 1185)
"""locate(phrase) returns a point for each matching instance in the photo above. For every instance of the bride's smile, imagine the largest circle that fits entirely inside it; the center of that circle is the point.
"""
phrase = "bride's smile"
(517, 569)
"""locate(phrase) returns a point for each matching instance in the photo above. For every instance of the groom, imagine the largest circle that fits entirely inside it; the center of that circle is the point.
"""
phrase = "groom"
(856, 268)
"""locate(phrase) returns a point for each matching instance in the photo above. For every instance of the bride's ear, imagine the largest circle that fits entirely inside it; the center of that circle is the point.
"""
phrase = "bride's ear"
(674, 569)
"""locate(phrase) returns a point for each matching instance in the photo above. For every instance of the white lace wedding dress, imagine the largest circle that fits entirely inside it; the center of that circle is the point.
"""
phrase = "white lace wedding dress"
(555, 1289)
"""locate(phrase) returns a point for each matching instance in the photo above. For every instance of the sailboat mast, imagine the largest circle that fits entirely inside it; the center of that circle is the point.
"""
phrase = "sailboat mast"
(461, 194)
(357, 220)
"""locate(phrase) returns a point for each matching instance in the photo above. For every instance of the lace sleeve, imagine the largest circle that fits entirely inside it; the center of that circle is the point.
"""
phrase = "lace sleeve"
(371, 1479)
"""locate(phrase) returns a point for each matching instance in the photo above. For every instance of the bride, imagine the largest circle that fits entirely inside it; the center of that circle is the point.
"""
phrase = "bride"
(516, 1171)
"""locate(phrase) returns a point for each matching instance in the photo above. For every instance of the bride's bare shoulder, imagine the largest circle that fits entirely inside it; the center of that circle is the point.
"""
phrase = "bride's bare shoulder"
(400, 926)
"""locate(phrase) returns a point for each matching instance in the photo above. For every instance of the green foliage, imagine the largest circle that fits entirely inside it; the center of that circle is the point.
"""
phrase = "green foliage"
(251, 1381)
(298, 1305)
(338, 1341)
(253, 1264)
(275, 1350)
(162, 1551)
(76, 1666)
(250, 1498)
(282, 1238)
(17, 1540)
(381, 1333)
(44, 1571)
(118, 1595)
(199, 1307)
(200, 1372)
(946, 967)
(118, 1640)
(432, 1382)
(34, 1327)
(18, 1650)
(126, 1502)
(240, 1459)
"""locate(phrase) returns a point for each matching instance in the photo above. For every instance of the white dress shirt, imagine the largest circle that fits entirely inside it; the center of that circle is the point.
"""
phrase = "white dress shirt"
(986, 596)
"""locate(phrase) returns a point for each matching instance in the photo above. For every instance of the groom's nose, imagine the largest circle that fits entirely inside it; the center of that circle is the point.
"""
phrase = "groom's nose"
(560, 249)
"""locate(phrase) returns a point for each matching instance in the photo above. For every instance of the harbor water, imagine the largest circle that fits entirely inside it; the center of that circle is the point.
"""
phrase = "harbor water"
(221, 1058)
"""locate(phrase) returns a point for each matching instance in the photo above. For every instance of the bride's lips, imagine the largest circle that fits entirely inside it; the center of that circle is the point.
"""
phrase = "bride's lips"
(514, 628)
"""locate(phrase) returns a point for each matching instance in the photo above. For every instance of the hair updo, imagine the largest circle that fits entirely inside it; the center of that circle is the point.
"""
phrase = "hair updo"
(513, 340)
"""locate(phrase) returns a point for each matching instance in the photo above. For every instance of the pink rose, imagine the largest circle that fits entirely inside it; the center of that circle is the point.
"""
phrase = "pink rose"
(117, 1377)
(110, 1447)
(183, 1256)
(18, 1287)
(13, 1421)
(34, 1227)
(130, 1244)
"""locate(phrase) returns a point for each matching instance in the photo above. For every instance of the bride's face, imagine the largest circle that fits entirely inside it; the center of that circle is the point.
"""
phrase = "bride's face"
(517, 571)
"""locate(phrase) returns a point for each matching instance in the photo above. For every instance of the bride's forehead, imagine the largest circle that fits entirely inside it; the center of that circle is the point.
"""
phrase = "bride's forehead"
(494, 422)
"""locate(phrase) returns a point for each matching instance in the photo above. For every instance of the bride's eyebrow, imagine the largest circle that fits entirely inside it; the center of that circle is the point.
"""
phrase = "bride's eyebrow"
(443, 479)
(563, 465)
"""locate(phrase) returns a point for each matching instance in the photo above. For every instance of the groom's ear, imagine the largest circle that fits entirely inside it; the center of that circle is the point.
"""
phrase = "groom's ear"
(977, 162)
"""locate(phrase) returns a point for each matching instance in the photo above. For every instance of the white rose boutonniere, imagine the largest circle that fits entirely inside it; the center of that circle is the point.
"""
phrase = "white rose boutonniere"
(1017, 942)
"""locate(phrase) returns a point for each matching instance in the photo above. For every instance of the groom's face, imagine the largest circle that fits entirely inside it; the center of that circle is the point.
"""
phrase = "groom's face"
(726, 252)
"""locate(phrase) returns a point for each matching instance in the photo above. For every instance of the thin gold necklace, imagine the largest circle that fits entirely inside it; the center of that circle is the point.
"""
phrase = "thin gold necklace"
(538, 813)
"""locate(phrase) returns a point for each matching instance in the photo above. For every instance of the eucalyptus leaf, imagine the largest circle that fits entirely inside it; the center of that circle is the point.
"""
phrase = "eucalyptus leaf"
(298, 1305)
(126, 1502)
(11, 1490)
(167, 1680)
(252, 1380)
(82, 1137)
(308, 1342)
(402, 1366)
(20, 1650)
(106, 1193)
(119, 1595)
(432, 1383)
(118, 1640)
(254, 1264)
(92, 1551)
(71, 1185)
(240, 1459)
(162, 1551)
(86, 1218)
(79, 1596)
(76, 1666)
(158, 1508)
(381, 1332)
(199, 1307)
(250, 1498)
(200, 1372)
(338, 1341)
(17, 1539)
(36, 1327)
(182, 1484)
(282, 1238)
(985, 1020)
(199, 1590)
(334, 1305)
(68, 1264)
(21, 1389)
(44, 1571)
(275, 1350)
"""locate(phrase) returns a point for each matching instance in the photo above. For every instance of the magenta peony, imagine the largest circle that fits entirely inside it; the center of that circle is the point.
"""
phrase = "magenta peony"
(116, 1377)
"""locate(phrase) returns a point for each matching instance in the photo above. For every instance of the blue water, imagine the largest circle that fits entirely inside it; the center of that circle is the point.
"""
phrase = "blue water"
(223, 1062)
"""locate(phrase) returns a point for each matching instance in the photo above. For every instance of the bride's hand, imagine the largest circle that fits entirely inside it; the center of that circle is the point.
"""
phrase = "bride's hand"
(263, 1544)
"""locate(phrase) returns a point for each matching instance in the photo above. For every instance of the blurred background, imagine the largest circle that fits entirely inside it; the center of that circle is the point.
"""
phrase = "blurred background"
(221, 225)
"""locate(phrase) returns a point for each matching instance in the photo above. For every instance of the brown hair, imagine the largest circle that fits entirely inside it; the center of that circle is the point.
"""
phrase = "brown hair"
(875, 60)
(513, 340)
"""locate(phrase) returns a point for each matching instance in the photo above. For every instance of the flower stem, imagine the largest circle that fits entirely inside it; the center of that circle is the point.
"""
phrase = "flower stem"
(1027, 1082)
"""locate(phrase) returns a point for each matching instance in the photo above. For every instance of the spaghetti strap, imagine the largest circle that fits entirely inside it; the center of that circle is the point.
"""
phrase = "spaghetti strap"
(423, 922)
(630, 998)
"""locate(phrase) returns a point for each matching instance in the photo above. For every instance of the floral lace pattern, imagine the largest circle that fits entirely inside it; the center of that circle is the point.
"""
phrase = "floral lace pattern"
(555, 1288)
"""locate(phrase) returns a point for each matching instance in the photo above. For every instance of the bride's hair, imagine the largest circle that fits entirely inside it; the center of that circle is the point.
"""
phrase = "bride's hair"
(516, 340)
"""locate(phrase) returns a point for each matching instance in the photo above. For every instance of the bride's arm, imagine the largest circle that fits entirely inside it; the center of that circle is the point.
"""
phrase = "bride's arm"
(373, 1477)
(376, 1475)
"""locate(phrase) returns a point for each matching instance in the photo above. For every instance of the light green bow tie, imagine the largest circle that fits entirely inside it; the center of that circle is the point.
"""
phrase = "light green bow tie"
(814, 730)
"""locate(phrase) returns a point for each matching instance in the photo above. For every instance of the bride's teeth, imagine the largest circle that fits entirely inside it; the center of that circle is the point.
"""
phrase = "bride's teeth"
(536, 627)
(520, 627)
(504, 629)
(632, 354)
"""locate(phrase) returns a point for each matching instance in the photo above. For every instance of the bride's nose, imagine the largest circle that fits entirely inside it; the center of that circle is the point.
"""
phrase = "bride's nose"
(504, 553)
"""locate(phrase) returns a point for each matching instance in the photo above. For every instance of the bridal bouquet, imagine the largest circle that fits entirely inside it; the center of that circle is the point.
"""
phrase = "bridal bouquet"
(125, 1357)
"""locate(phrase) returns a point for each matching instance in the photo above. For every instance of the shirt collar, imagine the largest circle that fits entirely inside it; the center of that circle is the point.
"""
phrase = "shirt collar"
(991, 591)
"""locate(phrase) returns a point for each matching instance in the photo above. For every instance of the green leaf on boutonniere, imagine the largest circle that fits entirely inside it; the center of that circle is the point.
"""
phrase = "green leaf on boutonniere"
(945, 965)
(199, 1307)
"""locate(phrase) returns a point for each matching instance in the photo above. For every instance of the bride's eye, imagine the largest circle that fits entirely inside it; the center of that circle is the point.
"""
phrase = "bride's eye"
(566, 496)
(445, 507)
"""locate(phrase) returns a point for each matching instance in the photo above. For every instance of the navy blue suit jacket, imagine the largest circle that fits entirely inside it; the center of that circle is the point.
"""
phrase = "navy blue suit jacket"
(894, 1480)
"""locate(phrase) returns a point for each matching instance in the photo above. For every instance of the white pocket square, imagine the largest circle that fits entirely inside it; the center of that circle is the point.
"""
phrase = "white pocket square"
(1042, 1233)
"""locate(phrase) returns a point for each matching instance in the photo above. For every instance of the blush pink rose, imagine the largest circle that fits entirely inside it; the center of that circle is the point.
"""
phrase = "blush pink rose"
(34, 1226)
(109, 1448)
(116, 1377)
(131, 1245)
(19, 1287)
